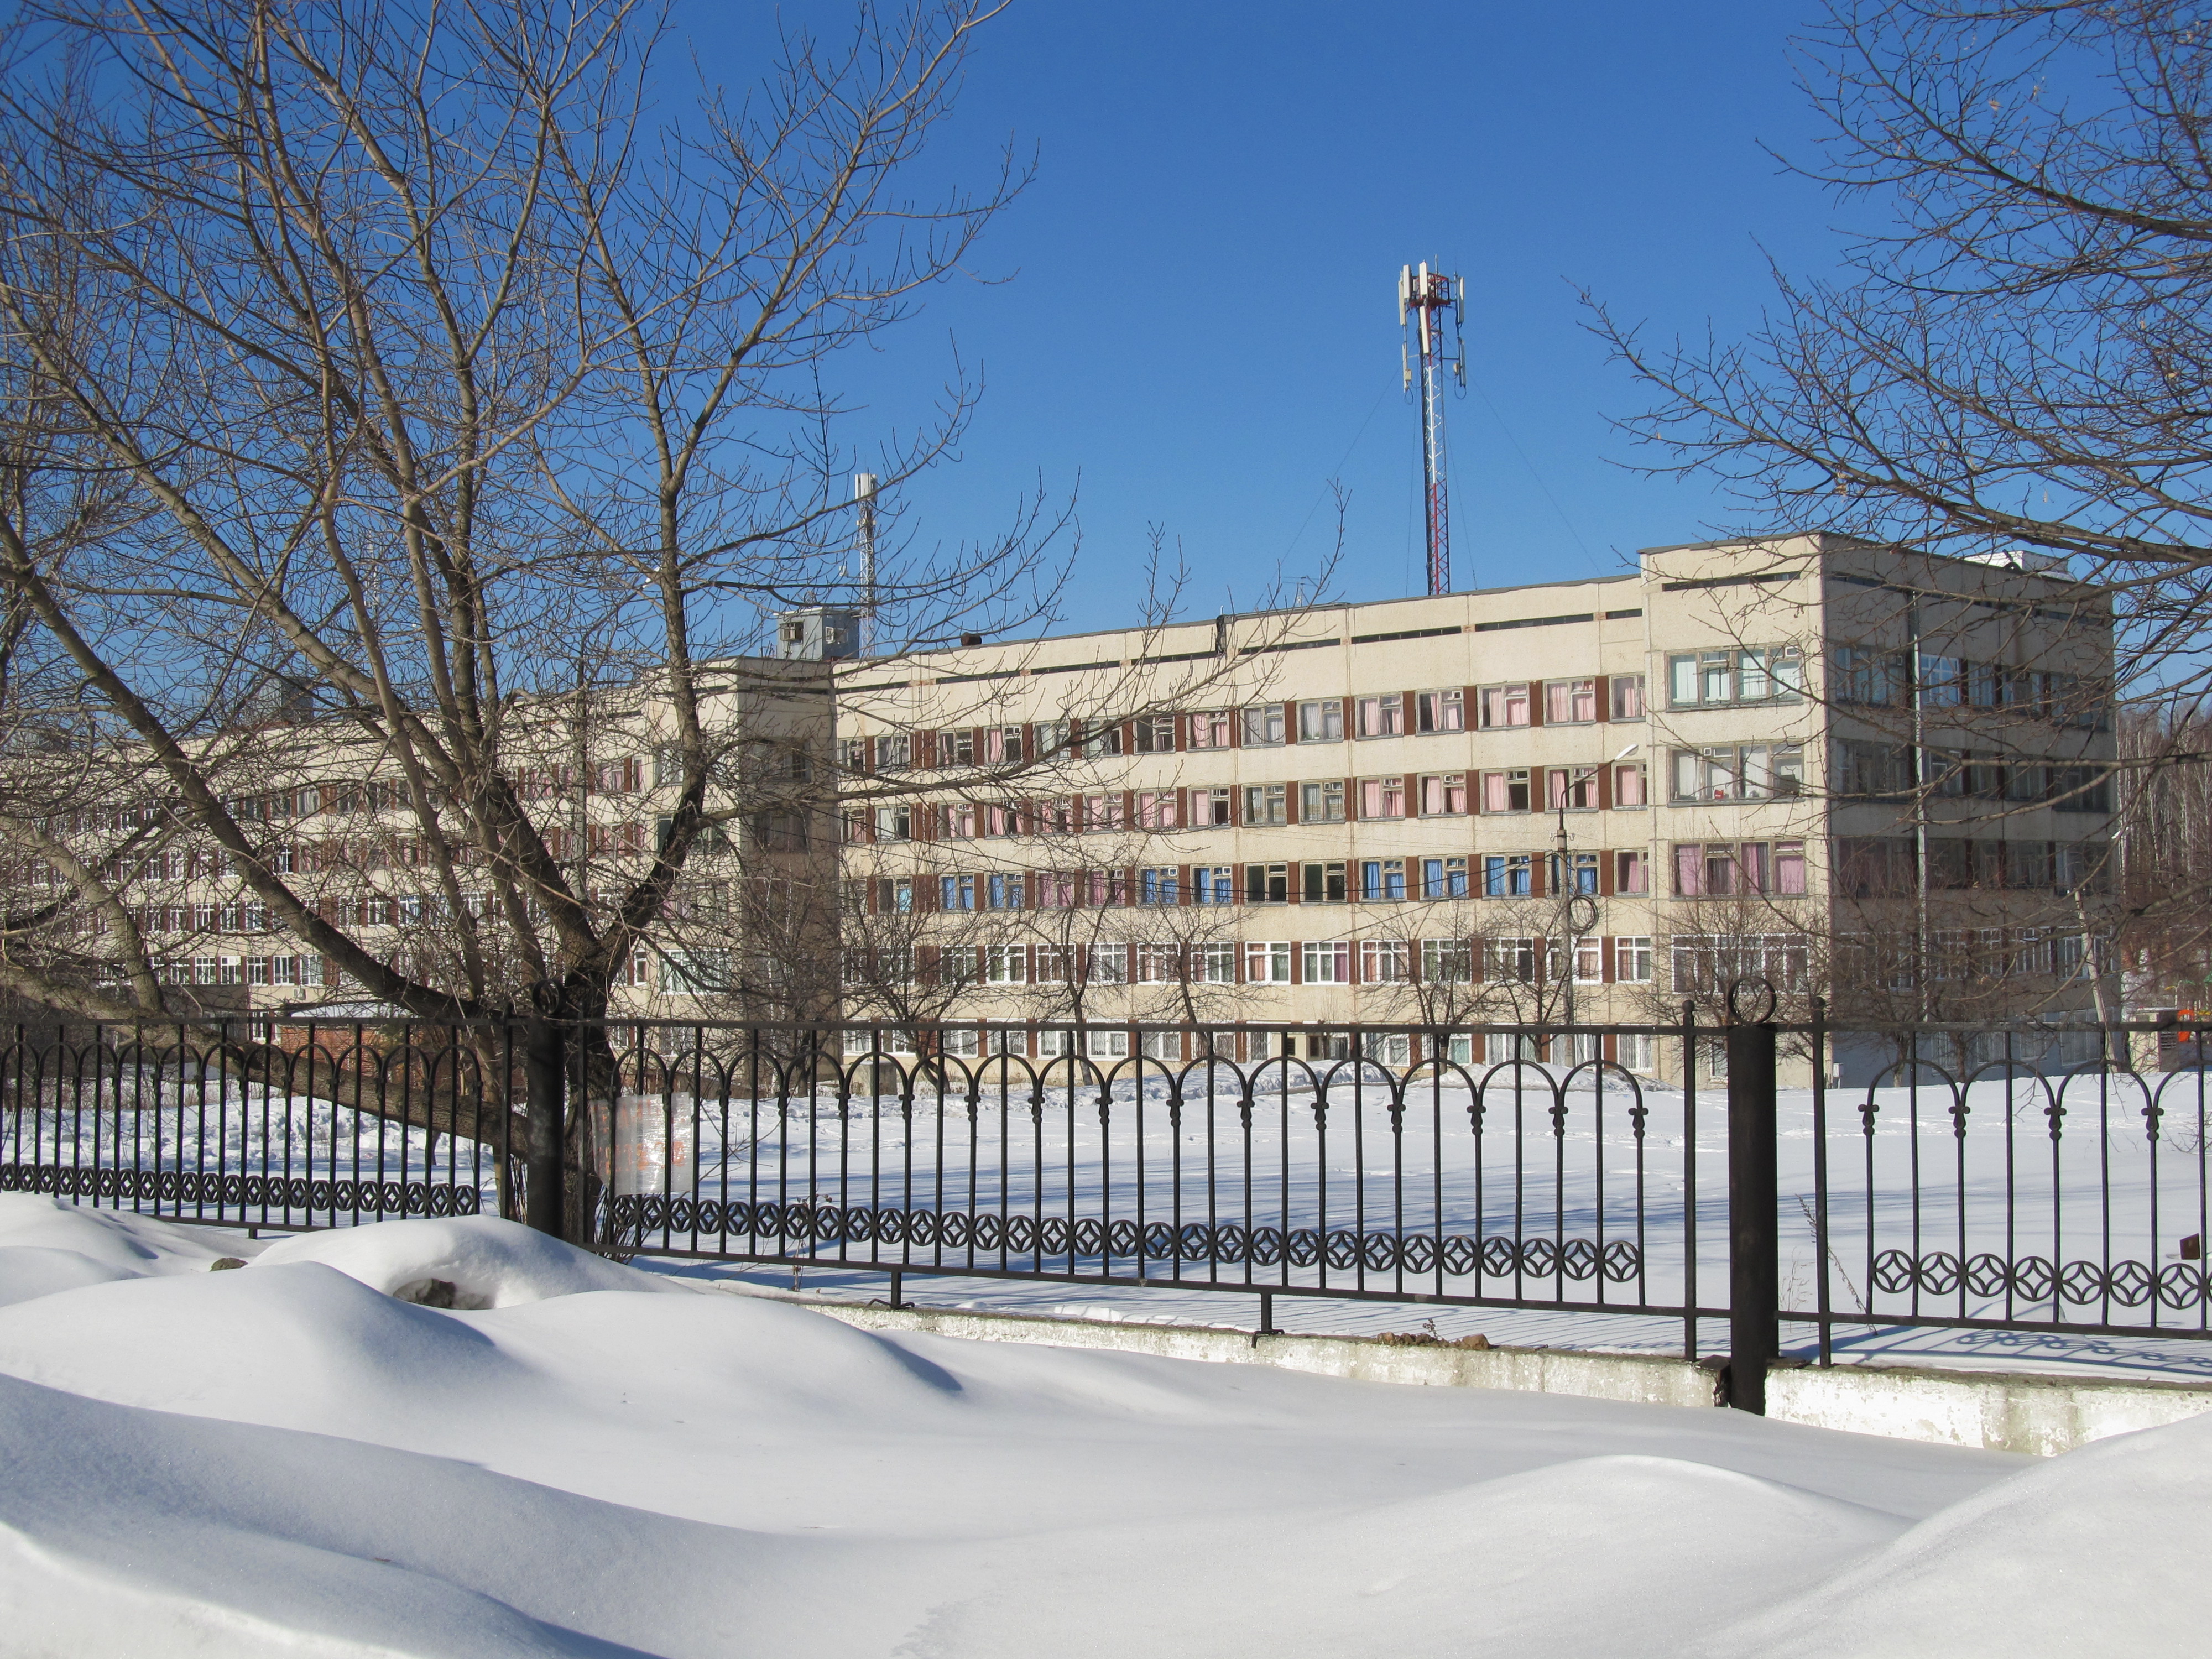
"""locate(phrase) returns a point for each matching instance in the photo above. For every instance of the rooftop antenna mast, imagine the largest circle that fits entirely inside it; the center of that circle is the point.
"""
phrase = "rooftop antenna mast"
(1431, 314)
(864, 492)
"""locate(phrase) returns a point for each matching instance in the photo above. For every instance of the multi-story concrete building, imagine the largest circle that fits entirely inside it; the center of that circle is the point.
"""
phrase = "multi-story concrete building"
(1852, 771)
(1848, 770)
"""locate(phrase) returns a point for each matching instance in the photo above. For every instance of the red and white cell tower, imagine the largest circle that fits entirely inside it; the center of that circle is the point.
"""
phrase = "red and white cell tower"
(1430, 315)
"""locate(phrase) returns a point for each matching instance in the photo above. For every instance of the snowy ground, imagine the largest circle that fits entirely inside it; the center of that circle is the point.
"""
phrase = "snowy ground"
(580, 1459)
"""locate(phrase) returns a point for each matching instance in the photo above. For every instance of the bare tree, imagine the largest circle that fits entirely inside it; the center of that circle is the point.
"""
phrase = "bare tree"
(399, 399)
(2013, 356)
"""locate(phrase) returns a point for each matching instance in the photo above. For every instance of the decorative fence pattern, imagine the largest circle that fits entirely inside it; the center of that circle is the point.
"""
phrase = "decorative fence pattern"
(1513, 1184)
(1999, 1197)
(334, 1129)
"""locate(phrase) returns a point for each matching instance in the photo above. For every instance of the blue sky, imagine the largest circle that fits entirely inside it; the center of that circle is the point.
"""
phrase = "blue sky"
(1198, 327)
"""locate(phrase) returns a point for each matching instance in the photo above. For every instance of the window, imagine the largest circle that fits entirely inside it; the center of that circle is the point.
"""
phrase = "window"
(957, 821)
(1707, 679)
(1161, 1045)
(1053, 890)
(1155, 734)
(1321, 803)
(1002, 745)
(695, 973)
(1631, 872)
(1631, 960)
(1504, 705)
(1570, 703)
(1108, 965)
(1380, 717)
(1627, 697)
(1447, 961)
(1160, 886)
(1100, 741)
(1212, 884)
(1156, 809)
(1708, 964)
(2081, 789)
(1267, 964)
(1005, 964)
(1323, 884)
(1263, 726)
(1589, 960)
(1107, 1045)
(1509, 959)
(1321, 722)
(1210, 730)
(2084, 866)
(1108, 887)
(1636, 1052)
(955, 892)
(893, 824)
(1328, 962)
(1267, 884)
(1443, 794)
(1574, 789)
(956, 748)
(1747, 771)
(1051, 738)
(1265, 803)
(1383, 797)
(1214, 963)
(1943, 681)
(1101, 813)
(1872, 866)
(1879, 769)
(1863, 675)
(1382, 880)
(1444, 878)
(1718, 871)
(1507, 875)
(1441, 711)
(1505, 792)
(1004, 892)
(1388, 1048)
(893, 752)
(1580, 873)
(1054, 964)
(1385, 961)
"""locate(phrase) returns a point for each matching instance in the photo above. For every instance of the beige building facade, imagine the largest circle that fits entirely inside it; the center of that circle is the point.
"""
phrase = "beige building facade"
(1854, 772)
(1847, 770)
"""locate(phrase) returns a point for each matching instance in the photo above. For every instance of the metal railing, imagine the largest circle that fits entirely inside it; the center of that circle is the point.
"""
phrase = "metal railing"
(1962, 1179)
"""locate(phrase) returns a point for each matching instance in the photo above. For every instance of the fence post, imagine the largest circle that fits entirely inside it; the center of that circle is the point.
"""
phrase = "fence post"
(1755, 1329)
(543, 1077)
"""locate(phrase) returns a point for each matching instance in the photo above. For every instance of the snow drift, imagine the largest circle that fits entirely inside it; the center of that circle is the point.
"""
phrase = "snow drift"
(489, 1262)
(288, 1460)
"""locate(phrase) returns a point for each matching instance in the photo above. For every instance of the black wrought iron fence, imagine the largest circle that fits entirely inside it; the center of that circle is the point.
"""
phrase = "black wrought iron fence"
(326, 1126)
(2002, 1181)
(1564, 1183)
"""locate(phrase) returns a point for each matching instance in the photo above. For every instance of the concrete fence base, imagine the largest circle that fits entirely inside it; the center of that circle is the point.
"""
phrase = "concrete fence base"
(2041, 1415)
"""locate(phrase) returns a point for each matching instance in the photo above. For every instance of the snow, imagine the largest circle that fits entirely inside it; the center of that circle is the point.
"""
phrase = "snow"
(285, 1461)
(46, 1247)
(489, 1262)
